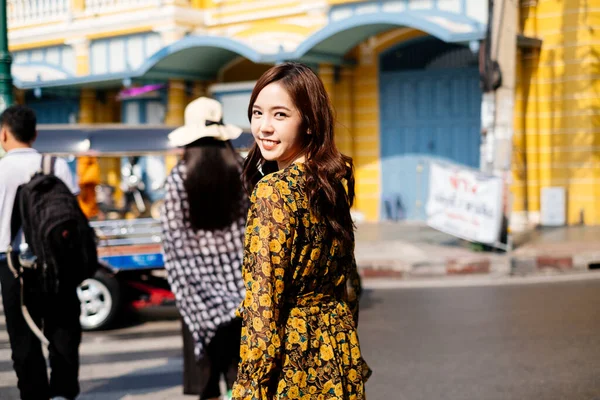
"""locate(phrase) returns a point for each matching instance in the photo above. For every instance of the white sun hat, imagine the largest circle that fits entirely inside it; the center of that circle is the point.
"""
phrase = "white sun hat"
(203, 118)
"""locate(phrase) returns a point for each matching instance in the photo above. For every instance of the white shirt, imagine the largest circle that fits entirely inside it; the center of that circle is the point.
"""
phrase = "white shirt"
(16, 168)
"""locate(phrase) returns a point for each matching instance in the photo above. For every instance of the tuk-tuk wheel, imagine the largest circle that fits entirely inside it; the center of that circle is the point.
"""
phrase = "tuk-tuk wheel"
(100, 298)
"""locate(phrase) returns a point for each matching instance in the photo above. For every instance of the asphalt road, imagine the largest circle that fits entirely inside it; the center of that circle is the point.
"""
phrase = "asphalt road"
(538, 341)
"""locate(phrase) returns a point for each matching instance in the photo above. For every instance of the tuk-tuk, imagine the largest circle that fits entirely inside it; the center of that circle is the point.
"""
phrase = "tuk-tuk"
(133, 162)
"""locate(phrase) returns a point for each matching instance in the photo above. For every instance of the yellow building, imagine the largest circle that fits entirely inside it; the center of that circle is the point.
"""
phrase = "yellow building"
(403, 76)
(557, 110)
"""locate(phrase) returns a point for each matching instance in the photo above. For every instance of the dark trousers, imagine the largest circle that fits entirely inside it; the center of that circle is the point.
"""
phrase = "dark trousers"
(221, 359)
(59, 316)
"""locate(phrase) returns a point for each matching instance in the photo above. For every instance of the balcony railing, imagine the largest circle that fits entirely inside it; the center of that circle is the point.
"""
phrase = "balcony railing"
(34, 12)
(99, 6)
(26, 12)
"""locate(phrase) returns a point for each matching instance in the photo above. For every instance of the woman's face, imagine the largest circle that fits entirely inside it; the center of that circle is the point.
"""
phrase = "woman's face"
(276, 125)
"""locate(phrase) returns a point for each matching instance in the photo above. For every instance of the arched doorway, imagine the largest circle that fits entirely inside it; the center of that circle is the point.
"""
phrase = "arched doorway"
(430, 104)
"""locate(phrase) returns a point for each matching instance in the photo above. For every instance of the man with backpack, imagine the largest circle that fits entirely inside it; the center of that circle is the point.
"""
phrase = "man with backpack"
(42, 295)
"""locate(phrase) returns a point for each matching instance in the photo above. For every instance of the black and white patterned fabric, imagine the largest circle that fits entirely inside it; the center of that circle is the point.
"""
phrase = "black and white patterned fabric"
(204, 267)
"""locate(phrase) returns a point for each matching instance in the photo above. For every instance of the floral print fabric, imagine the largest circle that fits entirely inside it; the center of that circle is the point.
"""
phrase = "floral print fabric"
(300, 313)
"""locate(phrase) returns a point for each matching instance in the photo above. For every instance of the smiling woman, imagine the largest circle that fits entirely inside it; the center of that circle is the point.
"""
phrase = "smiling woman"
(292, 121)
(300, 313)
(276, 124)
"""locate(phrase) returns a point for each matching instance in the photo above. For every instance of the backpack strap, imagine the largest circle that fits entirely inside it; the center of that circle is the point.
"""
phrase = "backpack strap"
(15, 220)
(32, 325)
(48, 163)
(47, 168)
(16, 270)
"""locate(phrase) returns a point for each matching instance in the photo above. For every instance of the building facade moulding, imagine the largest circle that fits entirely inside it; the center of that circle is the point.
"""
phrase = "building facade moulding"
(179, 60)
(349, 25)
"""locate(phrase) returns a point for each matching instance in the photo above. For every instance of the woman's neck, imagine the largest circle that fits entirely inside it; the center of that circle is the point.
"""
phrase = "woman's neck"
(284, 164)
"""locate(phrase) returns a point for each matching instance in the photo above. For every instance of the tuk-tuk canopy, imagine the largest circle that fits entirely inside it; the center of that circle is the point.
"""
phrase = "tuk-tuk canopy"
(113, 139)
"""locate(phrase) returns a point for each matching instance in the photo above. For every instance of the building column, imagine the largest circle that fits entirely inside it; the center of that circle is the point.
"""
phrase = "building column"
(199, 89)
(88, 169)
(176, 102)
(110, 167)
(519, 168)
(87, 106)
(107, 110)
(327, 75)
(113, 107)
(532, 135)
(366, 133)
(343, 107)
(101, 109)
(78, 5)
(81, 48)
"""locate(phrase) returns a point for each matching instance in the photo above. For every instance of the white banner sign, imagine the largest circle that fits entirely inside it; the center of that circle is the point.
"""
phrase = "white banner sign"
(465, 203)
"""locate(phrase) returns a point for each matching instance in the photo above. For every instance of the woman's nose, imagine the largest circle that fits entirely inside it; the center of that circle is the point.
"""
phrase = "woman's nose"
(265, 125)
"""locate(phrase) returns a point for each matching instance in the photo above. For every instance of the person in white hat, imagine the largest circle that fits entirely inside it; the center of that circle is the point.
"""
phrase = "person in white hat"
(203, 220)
(203, 119)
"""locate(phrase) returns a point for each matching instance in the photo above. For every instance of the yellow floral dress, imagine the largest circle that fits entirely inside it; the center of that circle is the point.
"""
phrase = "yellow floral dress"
(300, 313)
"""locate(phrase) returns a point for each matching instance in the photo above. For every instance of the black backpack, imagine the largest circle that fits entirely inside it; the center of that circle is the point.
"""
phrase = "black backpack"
(56, 231)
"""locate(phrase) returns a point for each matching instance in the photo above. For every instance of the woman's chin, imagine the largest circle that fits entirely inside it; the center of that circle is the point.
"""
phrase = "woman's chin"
(268, 155)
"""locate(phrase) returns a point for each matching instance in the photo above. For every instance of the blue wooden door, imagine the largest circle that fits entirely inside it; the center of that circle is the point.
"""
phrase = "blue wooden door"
(425, 115)
(55, 111)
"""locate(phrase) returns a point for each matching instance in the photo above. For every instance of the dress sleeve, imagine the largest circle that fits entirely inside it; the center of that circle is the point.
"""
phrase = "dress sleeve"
(353, 289)
(267, 253)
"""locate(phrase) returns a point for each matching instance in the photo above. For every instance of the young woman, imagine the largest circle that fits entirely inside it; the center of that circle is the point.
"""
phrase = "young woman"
(300, 314)
(203, 223)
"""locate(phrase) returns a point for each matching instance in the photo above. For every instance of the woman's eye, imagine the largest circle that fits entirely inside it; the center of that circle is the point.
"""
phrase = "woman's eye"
(256, 113)
(280, 115)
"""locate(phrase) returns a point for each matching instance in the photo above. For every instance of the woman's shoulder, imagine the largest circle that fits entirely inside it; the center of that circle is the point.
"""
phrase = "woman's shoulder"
(284, 183)
(287, 177)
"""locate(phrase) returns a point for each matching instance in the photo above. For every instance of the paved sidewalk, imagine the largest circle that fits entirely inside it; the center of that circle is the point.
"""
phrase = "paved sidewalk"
(562, 249)
(415, 251)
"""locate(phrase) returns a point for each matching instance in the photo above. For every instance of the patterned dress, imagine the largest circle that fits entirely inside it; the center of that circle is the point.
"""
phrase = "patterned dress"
(299, 339)
(204, 267)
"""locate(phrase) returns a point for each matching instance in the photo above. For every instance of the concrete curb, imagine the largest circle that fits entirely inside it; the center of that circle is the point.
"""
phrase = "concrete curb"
(485, 264)
(479, 280)
(523, 265)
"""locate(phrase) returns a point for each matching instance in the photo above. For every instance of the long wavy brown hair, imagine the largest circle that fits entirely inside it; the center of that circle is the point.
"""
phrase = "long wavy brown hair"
(326, 168)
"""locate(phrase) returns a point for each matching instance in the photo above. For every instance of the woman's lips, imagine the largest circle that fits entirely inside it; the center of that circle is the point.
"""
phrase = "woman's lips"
(269, 144)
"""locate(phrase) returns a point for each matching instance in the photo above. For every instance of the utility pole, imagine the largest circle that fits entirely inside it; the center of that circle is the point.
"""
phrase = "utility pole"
(497, 67)
(6, 83)
(504, 51)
